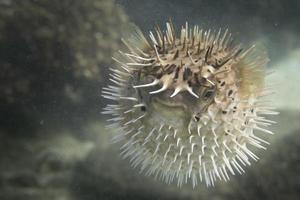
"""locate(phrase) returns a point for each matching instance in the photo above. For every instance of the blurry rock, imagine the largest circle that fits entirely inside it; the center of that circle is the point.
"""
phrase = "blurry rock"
(54, 55)
(41, 167)
(59, 165)
(285, 79)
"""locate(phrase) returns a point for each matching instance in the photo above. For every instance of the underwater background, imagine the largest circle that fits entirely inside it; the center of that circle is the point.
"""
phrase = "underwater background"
(54, 59)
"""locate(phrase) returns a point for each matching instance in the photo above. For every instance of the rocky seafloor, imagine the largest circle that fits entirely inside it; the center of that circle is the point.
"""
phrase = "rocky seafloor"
(58, 164)
(53, 60)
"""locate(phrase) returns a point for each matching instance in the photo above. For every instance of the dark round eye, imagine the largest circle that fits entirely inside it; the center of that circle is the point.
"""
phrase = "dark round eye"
(208, 94)
(197, 118)
(143, 108)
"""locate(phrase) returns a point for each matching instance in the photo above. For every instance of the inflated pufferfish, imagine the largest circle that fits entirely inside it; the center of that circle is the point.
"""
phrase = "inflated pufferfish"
(186, 108)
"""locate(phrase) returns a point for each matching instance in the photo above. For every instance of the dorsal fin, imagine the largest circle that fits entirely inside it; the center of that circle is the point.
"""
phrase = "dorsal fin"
(135, 40)
(251, 69)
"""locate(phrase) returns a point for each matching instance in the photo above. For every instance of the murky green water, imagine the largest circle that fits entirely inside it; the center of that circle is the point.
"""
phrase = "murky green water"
(54, 58)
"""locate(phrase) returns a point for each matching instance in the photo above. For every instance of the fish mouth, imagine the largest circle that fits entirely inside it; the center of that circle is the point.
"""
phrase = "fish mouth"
(183, 101)
(173, 114)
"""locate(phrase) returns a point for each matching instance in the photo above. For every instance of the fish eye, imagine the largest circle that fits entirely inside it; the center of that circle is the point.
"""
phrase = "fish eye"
(208, 94)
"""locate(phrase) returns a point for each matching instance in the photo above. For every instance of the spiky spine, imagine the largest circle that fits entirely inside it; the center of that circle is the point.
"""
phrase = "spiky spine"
(186, 107)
